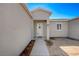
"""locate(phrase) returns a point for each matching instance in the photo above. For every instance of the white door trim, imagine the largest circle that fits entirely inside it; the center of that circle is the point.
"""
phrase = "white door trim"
(39, 29)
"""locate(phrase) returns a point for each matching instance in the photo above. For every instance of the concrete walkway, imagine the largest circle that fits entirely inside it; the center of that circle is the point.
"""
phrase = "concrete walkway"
(40, 48)
(64, 47)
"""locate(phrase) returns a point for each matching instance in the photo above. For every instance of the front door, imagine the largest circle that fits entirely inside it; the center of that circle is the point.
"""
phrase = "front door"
(39, 29)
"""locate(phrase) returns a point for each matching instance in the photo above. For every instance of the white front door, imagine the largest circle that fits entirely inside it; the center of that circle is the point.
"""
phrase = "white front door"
(39, 29)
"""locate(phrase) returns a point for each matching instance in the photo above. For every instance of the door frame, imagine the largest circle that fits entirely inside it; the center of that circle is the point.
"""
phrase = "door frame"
(44, 27)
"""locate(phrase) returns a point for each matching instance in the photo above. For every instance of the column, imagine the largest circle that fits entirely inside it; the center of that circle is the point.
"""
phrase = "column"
(48, 29)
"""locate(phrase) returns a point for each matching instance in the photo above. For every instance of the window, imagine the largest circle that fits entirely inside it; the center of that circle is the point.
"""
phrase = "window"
(58, 26)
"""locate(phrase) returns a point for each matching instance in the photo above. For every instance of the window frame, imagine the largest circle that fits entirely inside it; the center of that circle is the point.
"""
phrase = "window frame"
(59, 26)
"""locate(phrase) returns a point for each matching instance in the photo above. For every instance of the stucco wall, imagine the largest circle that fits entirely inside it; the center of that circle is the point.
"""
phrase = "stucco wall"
(74, 29)
(15, 29)
(40, 15)
(58, 33)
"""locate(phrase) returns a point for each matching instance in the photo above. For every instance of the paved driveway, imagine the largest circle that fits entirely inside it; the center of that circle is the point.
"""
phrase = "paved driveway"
(64, 47)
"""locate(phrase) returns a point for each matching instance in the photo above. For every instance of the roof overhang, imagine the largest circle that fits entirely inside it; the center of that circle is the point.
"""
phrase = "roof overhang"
(25, 9)
(41, 9)
(58, 19)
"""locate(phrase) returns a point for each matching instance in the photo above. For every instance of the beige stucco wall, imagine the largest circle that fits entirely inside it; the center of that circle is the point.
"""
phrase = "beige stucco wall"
(40, 15)
(58, 33)
(15, 29)
(74, 29)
